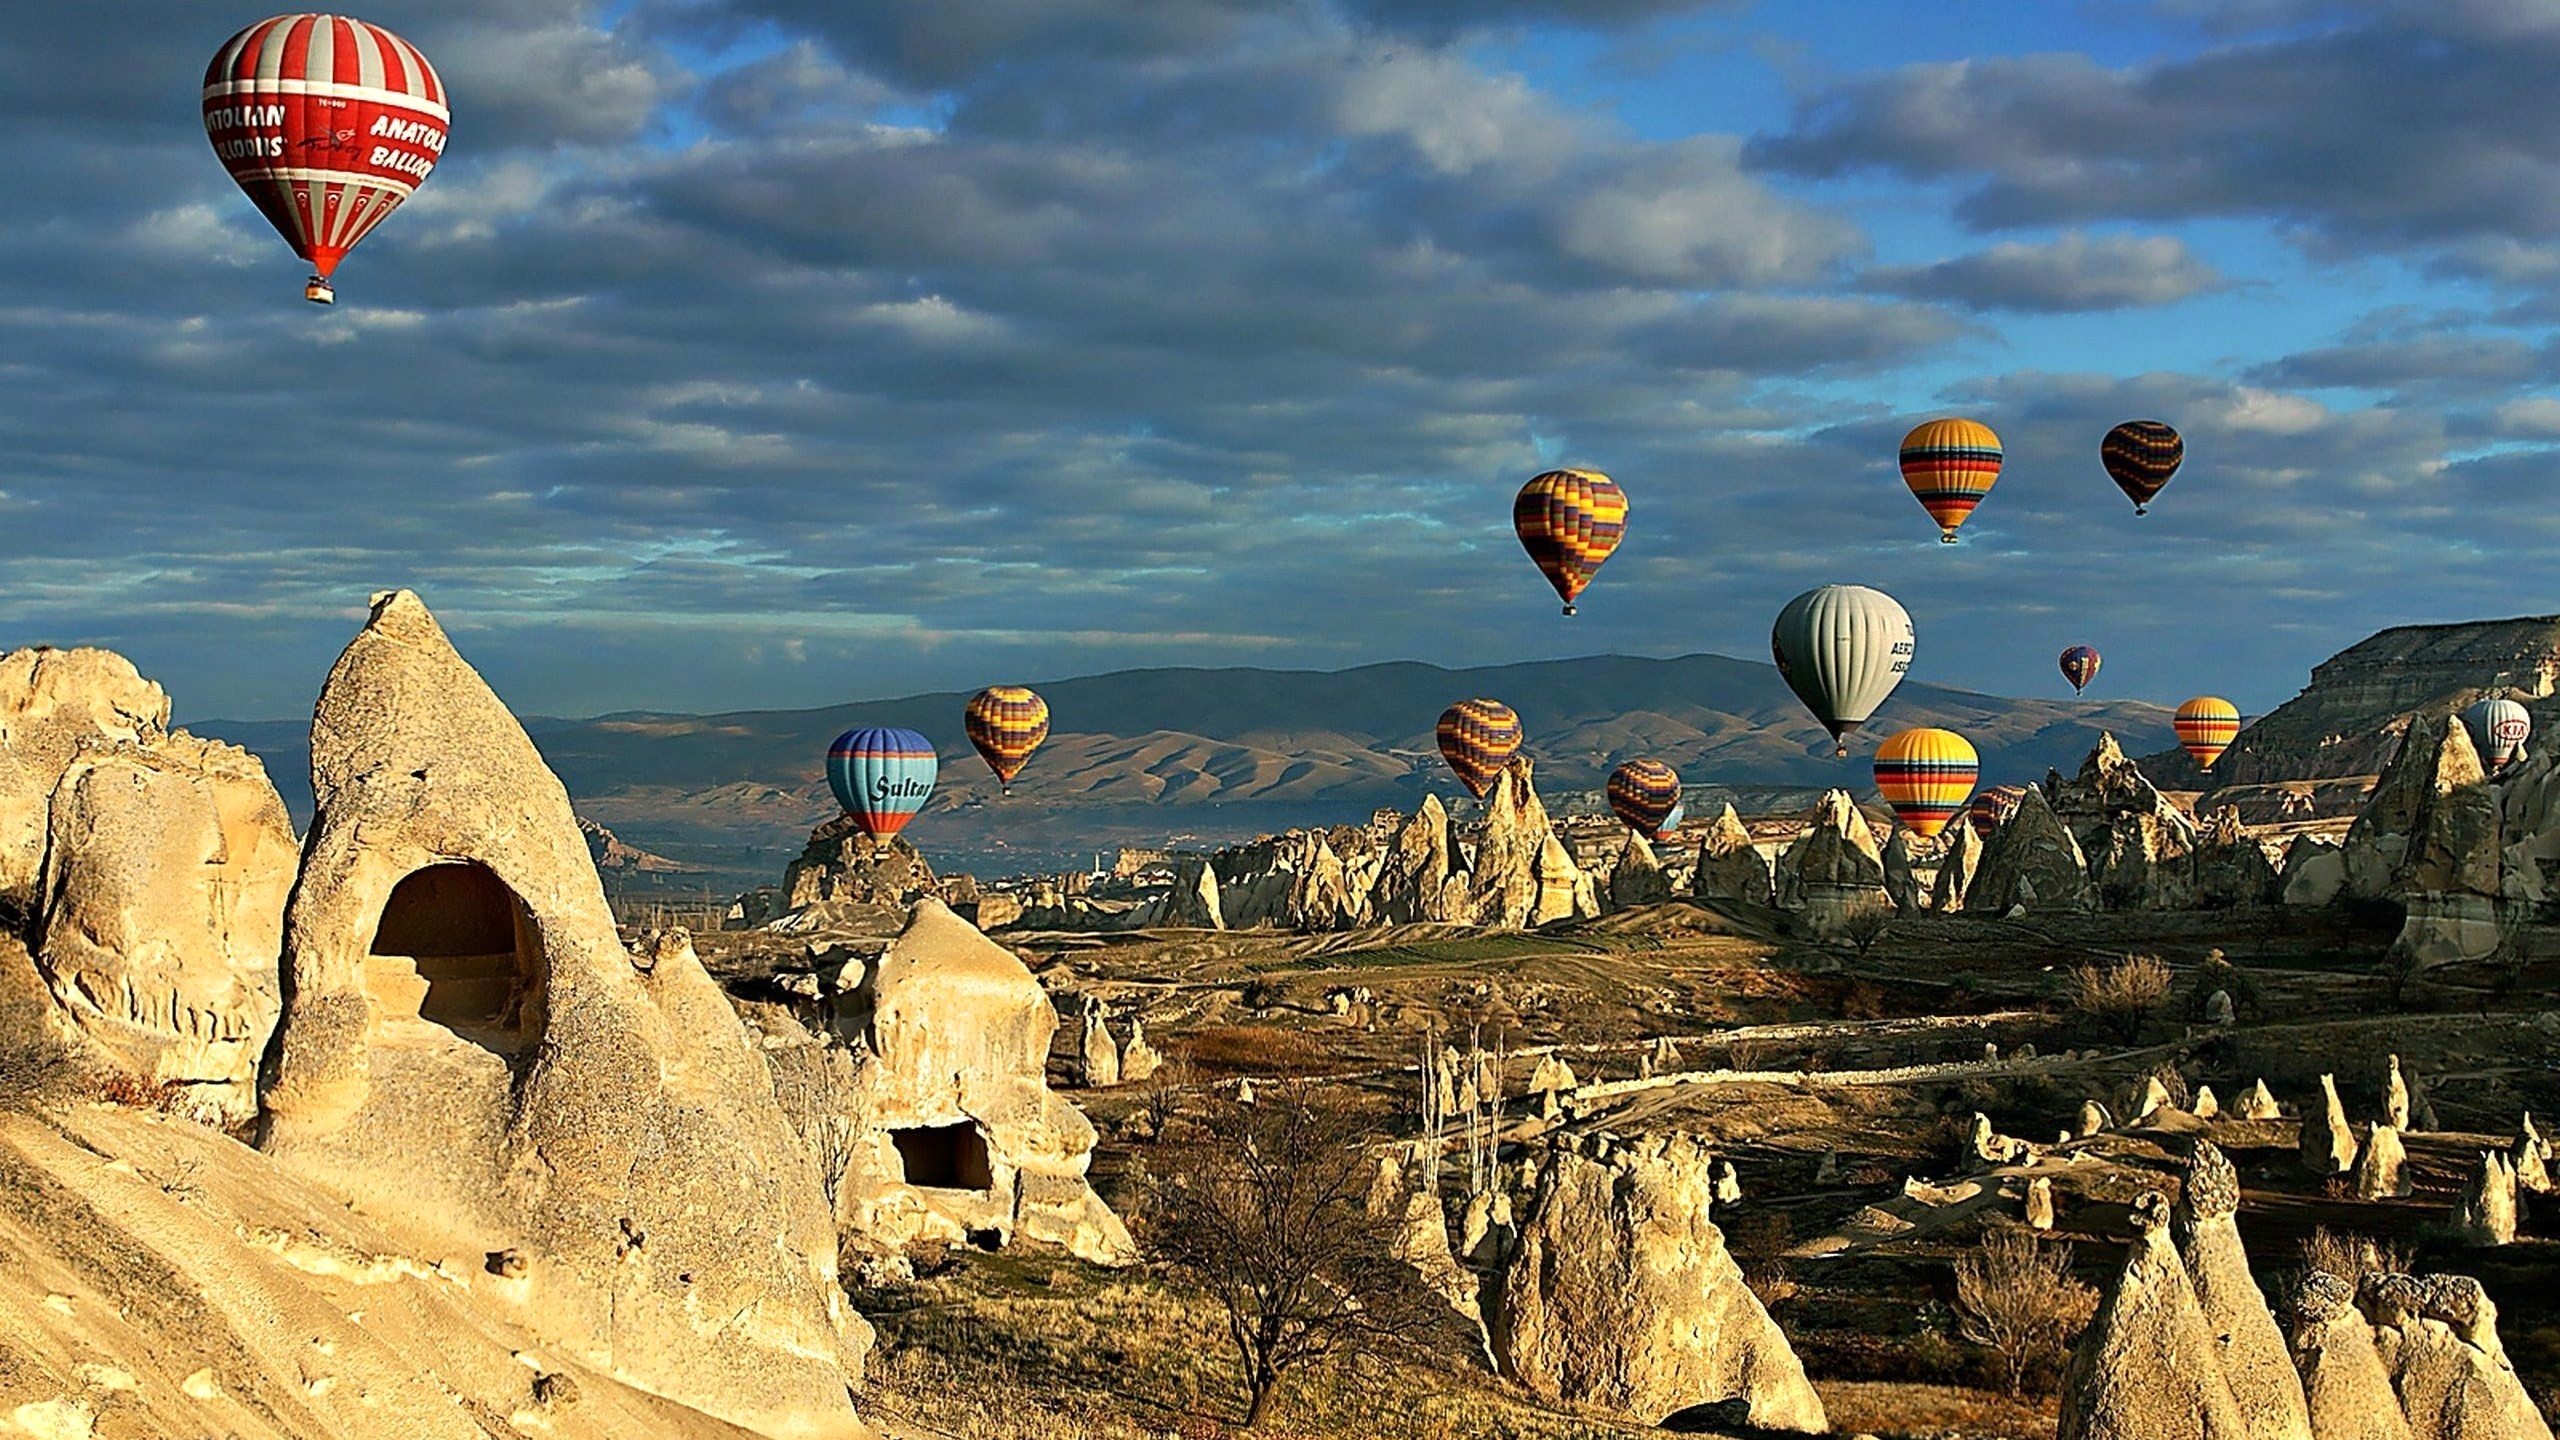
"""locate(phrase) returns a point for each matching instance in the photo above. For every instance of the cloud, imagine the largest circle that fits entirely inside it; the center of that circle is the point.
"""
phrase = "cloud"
(2077, 272)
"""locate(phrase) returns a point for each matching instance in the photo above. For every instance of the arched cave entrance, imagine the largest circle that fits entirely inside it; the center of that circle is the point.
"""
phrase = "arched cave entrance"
(476, 949)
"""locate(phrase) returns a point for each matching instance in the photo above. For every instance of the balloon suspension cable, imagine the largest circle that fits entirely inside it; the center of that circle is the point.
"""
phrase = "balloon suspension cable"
(317, 291)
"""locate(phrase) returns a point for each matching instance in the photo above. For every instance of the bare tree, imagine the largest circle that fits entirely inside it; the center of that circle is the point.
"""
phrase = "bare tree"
(1265, 1207)
(2015, 1297)
(1865, 925)
(2122, 996)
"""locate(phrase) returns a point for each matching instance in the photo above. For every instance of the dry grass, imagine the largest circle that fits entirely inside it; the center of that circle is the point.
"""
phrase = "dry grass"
(2121, 997)
(2351, 1257)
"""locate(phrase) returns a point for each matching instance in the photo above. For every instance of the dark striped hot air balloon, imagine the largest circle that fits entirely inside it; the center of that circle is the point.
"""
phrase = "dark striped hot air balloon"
(1478, 737)
(1926, 776)
(1646, 795)
(882, 776)
(2140, 456)
(2206, 726)
(1992, 809)
(1950, 465)
(1569, 521)
(2079, 666)
(1006, 723)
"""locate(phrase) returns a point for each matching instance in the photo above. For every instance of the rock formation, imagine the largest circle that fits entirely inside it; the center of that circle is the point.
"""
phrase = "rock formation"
(53, 705)
(1300, 881)
(167, 866)
(2110, 789)
(1423, 878)
(2259, 1104)
(467, 1051)
(1139, 1061)
(2038, 1211)
(2395, 1096)
(2329, 1143)
(849, 878)
(962, 1140)
(1955, 871)
(1619, 1292)
(2230, 868)
(1901, 874)
(1406, 1190)
(2430, 838)
(2531, 1159)
(1098, 1055)
(1730, 867)
(1522, 874)
(2438, 1338)
(2315, 871)
(2381, 1172)
(2148, 1367)
(1834, 869)
(2254, 1358)
(2031, 861)
(1638, 878)
(2485, 1212)
(2347, 1392)
(2205, 1106)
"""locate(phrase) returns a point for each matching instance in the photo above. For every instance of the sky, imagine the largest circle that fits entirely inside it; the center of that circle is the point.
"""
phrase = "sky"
(765, 353)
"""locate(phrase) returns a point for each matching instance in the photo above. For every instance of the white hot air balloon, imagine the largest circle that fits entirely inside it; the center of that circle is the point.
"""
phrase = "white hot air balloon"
(1842, 649)
(2500, 727)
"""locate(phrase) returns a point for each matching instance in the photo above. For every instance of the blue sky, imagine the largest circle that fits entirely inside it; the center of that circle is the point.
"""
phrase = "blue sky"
(777, 352)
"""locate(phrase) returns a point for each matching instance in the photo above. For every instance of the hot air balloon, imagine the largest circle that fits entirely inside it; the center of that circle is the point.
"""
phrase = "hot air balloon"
(1926, 776)
(328, 123)
(1992, 809)
(1646, 795)
(2499, 727)
(1478, 737)
(1006, 723)
(882, 776)
(2206, 726)
(2079, 666)
(1950, 465)
(2140, 456)
(1842, 649)
(1569, 521)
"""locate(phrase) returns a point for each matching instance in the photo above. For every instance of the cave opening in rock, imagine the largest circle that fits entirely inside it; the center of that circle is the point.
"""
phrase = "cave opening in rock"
(944, 1157)
(477, 952)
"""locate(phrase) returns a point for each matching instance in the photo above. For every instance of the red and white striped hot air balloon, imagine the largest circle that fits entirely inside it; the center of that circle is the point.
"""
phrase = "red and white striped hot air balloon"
(328, 123)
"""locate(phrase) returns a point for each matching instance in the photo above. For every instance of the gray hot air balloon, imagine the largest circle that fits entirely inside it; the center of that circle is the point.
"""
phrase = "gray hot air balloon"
(2499, 727)
(1842, 648)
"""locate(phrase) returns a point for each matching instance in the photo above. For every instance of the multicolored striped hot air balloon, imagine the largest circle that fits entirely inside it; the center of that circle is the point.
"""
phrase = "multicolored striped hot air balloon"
(328, 123)
(1842, 649)
(2499, 727)
(1006, 723)
(1950, 465)
(1478, 737)
(1646, 795)
(1926, 776)
(2140, 456)
(2079, 666)
(1992, 809)
(2206, 726)
(1569, 521)
(882, 776)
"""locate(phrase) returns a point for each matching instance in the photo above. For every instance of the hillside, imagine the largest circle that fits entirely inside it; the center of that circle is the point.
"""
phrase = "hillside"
(1227, 753)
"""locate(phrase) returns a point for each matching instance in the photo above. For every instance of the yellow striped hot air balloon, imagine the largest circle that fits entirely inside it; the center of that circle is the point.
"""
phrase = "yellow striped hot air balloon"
(1926, 776)
(1950, 465)
(1478, 737)
(1570, 521)
(1006, 723)
(2206, 726)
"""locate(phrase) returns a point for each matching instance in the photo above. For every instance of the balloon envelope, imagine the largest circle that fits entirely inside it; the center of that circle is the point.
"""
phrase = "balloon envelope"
(1478, 737)
(1570, 521)
(1842, 649)
(1926, 776)
(1006, 723)
(2499, 727)
(2206, 726)
(2140, 456)
(1950, 465)
(1646, 795)
(1992, 809)
(328, 123)
(2079, 666)
(882, 776)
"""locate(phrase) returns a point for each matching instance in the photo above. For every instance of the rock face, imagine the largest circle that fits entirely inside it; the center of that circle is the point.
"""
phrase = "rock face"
(961, 1140)
(1523, 875)
(1901, 874)
(2347, 1391)
(2382, 1171)
(2136, 845)
(1638, 879)
(2230, 869)
(845, 871)
(1834, 869)
(1300, 881)
(2329, 1143)
(2030, 861)
(468, 1052)
(1956, 869)
(54, 704)
(2485, 1213)
(167, 866)
(1423, 878)
(2431, 838)
(2315, 872)
(1730, 867)
(2438, 1338)
(2148, 1366)
(1620, 1293)
(2255, 1360)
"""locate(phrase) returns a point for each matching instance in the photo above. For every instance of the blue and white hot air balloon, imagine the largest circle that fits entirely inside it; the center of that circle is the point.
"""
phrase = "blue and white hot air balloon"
(882, 776)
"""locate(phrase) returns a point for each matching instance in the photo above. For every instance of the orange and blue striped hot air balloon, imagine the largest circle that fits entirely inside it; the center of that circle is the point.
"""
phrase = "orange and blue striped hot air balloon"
(1478, 737)
(1646, 795)
(1992, 809)
(1569, 521)
(2140, 456)
(2206, 726)
(2079, 666)
(1006, 723)
(882, 776)
(1926, 776)
(1950, 465)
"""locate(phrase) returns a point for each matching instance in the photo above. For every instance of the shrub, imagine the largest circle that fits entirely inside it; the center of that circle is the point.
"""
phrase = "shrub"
(2015, 1298)
(1865, 925)
(2121, 997)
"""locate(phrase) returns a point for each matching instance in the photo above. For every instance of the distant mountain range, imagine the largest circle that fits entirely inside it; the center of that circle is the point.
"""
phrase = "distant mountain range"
(1197, 755)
